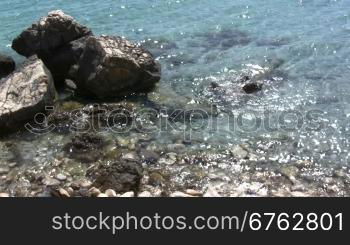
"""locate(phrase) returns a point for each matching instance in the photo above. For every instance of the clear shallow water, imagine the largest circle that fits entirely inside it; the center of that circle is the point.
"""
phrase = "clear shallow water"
(199, 42)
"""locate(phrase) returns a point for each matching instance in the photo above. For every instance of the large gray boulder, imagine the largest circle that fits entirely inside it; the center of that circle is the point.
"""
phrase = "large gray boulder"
(7, 65)
(56, 39)
(23, 94)
(113, 66)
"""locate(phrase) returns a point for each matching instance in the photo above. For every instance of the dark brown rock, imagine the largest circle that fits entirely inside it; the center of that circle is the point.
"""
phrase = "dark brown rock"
(113, 66)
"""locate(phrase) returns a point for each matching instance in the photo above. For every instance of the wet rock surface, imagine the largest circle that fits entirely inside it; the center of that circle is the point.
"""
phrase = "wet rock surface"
(112, 66)
(25, 93)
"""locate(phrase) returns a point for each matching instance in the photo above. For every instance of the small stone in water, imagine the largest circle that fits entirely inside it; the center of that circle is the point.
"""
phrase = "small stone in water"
(61, 177)
(51, 182)
(111, 193)
(179, 194)
(193, 192)
(239, 152)
(128, 194)
(4, 195)
(85, 184)
(169, 159)
(4, 170)
(102, 195)
(63, 192)
(130, 157)
(252, 87)
(12, 164)
(145, 194)
(94, 192)
(70, 191)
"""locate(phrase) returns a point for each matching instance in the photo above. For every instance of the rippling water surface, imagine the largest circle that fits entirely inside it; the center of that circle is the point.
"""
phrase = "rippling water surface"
(301, 47)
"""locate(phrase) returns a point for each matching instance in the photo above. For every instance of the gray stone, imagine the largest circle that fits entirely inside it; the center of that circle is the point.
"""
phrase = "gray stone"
(48, 181)
(4, 170)
(24, 93)
(61, 177)
(239, 152)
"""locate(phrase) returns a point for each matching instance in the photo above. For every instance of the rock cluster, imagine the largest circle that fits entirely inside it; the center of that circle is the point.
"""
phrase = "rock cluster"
(102, 67)
(61, 51)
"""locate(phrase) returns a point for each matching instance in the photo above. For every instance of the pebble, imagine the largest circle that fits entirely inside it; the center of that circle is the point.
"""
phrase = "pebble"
(63, 192)
(94, 192)
(239, 152)
(193, 192)
(169, 159)
(4, 170)
(61, 177)
(4, 195)
(130, 157)
(48, 181)
(111, 193)
(179, 194)
(12, 164)
(298, 194)
(102, 195)
(128, 194)
(145, 194)
(85, 183)
(70, 191)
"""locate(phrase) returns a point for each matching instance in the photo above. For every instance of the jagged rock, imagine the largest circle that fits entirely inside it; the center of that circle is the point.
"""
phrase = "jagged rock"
(48, 34)
(24, 93)
(120, 176)
(7, 65)
(113, 66)
(58, 40)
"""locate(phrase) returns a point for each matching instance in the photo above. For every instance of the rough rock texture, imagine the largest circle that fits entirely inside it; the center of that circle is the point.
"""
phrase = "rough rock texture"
(48, 34)
(7, 65)
(112, 66)
(121, 176)
(24, 93)
(57, 39)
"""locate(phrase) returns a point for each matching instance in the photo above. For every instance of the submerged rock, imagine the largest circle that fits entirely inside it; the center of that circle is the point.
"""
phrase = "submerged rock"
(121, 176)
(7, 65)
(48, 34)
(251, 87)
(85, 147)
(25, 93)
(112, 66)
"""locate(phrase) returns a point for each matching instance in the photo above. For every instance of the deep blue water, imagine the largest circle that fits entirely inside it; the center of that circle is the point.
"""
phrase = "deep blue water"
(199, 42)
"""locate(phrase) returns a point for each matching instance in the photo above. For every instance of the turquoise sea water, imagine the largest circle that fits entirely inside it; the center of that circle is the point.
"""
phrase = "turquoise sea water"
(201, 41)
